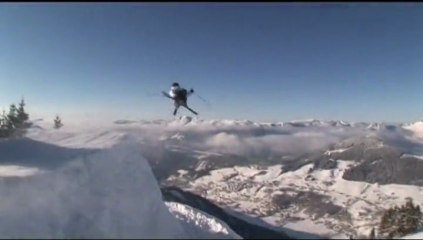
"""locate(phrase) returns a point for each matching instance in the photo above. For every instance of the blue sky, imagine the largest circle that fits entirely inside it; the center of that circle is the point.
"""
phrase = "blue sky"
(262, 62)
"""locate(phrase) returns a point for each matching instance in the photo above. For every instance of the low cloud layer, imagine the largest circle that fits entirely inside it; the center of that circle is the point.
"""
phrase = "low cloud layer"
(235, 137)
(248, 138)
(290, 144)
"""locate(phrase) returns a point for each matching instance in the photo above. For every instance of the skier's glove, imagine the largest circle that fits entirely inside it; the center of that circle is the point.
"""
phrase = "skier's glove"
(192, 90)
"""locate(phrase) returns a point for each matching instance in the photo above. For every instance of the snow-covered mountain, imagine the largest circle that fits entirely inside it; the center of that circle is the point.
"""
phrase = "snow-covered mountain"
(321, 178)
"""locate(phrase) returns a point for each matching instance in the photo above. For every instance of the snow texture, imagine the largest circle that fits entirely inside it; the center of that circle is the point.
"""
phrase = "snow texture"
(418, 235)
(108, 194)
(204, 221)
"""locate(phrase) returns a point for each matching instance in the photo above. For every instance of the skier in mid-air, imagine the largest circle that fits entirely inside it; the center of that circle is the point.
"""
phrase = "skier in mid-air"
(179, 96)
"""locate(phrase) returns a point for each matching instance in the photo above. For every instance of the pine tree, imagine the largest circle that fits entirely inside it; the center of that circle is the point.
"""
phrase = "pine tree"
(22, 116)
(57, 122)
(400, 221)
(3, 125)
(412, 217)
(12, 118)
(386, 222)
(3, 120)
(372, 234)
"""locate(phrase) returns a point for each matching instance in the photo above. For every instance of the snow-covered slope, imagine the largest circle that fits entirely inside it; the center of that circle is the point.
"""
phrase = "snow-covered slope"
(202, 220)
(301, 200)
(110, 193)
(322, 177)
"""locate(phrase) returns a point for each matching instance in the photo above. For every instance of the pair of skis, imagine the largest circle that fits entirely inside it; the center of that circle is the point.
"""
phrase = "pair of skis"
(184, 105)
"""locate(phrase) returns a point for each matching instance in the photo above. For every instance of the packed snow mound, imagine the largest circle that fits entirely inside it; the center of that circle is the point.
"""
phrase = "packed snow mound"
(94, 138)
(111, 193)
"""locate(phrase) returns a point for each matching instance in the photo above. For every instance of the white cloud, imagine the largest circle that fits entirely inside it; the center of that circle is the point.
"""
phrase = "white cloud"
(296, 143)
(239, 137)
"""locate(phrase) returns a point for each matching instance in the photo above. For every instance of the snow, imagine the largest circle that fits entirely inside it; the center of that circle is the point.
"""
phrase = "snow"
(418, 235)
(411, 155)
(177, 136)
(77, 138)
(203, 139)
(362, 200)
(17, 171)
(311, 226)
(108, 194)
(201, 166)
(111, 193)
(201, 219)
(329, 152)
(416, 128)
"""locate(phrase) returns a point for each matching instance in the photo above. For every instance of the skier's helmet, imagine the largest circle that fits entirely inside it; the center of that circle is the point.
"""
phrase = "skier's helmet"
(175, 84)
